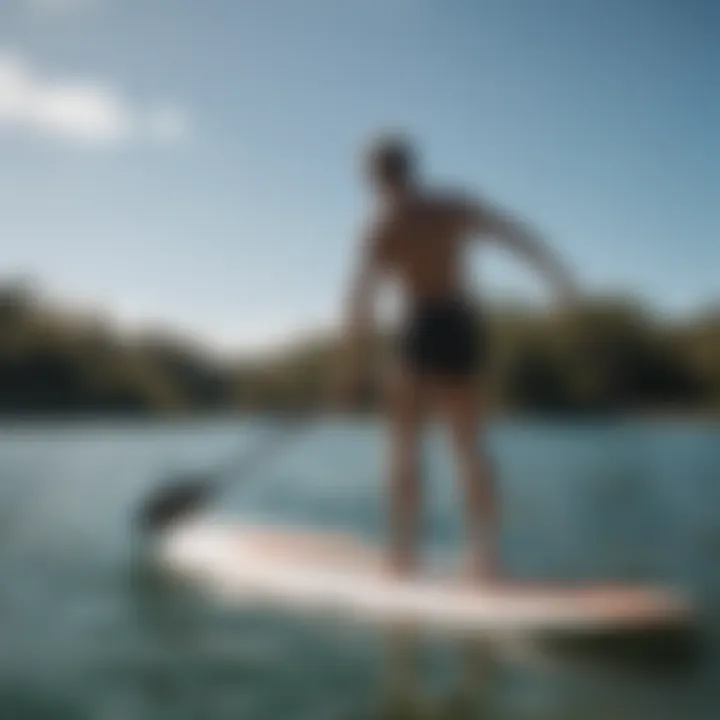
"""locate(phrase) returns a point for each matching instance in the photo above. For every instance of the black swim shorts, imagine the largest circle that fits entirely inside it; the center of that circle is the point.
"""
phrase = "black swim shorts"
(445, 338)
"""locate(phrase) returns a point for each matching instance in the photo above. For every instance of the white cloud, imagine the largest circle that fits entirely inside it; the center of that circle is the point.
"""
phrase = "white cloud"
(81, 111)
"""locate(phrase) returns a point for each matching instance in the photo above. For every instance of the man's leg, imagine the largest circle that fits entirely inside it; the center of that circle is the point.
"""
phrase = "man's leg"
(461, 401)
(406, 418)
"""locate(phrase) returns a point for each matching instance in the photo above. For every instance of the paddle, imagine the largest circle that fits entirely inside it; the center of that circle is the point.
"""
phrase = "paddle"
(183, 494)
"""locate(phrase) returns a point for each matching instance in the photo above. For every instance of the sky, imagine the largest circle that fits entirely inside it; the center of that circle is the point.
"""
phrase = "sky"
(196, 164)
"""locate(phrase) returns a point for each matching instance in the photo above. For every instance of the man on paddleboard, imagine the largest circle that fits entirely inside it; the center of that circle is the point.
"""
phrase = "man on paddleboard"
(418, 238)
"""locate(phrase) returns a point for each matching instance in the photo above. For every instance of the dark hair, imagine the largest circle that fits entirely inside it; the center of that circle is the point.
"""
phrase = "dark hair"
(391, 159)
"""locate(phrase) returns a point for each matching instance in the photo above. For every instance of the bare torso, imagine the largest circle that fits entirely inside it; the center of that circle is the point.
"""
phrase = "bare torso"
(421, 243)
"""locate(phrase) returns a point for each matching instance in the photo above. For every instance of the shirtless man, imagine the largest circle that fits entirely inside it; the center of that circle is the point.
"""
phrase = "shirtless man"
(418, 239)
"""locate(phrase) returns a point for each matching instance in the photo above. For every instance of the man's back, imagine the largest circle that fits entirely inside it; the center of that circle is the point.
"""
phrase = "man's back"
(421, 241)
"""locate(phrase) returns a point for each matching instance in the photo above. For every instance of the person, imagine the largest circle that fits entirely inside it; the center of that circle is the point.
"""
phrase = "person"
(418, 238)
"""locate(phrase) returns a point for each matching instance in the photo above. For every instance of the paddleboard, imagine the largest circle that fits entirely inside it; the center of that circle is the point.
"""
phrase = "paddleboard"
(326, 572)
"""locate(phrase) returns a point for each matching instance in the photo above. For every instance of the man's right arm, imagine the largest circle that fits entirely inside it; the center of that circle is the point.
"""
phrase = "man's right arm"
(519, 238)
(359, 315)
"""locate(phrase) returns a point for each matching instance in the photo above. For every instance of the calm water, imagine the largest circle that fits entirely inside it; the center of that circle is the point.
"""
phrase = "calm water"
(84, 634)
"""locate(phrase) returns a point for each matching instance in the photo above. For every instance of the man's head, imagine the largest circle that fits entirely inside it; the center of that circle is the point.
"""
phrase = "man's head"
(391, 164)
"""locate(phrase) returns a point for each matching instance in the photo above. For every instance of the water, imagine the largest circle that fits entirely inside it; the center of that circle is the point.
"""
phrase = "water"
(84, 634)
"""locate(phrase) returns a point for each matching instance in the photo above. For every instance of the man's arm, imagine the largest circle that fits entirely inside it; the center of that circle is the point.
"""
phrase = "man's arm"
(523, 241)
(359, 314)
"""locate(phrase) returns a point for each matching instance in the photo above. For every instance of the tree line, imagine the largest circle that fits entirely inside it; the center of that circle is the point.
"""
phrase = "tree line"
(610, 355)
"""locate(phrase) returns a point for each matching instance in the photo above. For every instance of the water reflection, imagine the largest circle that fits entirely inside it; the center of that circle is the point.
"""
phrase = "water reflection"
(538, 678)
(407, 693)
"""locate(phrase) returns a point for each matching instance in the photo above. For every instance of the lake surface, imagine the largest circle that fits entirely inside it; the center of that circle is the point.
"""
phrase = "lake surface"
(86, 633)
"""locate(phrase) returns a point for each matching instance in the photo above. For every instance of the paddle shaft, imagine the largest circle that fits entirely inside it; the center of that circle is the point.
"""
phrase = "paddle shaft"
(243, 463)
(186, 494)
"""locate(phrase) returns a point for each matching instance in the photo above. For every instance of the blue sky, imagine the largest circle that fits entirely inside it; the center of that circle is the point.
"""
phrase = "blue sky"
(195, 163)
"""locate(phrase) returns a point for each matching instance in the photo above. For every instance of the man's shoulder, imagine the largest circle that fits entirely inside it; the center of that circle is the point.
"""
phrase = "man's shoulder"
(450, 199)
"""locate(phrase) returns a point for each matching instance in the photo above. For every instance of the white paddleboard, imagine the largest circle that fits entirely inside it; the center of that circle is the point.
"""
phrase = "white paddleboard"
(319, 571)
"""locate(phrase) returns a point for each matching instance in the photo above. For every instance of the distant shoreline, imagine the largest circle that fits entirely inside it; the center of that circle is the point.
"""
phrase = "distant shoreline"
(609, 361)
(8, 420)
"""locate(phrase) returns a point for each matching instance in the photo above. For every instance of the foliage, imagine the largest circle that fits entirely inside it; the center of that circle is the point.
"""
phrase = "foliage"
(612, 355)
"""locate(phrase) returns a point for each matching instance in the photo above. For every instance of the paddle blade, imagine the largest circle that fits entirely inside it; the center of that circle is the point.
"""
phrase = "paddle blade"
(175, 499)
